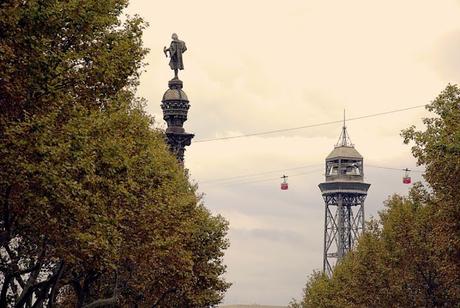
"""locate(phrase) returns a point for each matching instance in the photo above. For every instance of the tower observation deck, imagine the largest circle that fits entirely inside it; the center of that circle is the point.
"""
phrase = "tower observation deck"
(344, 192)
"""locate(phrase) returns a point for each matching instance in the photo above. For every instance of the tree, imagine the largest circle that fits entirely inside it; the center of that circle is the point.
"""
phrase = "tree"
(54, 53)
(315, 293)
(409, 256)
(438, 148)
(95, 210)
(110, 203)
(394, 264)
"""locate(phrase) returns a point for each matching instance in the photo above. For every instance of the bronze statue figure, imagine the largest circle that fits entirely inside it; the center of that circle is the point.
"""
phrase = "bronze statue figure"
(175, 50)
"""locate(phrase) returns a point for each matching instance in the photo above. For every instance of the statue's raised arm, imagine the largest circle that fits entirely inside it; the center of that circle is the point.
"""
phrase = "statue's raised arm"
(175, 50)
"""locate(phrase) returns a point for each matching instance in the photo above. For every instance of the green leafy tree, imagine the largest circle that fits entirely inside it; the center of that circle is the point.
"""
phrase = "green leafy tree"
(55, 52)
(95, 210)
(105, 207)
(438, 149)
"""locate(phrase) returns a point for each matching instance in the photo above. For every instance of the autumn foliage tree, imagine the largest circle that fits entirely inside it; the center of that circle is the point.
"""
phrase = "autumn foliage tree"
(438, 149)
(95, 210)
(410, 256)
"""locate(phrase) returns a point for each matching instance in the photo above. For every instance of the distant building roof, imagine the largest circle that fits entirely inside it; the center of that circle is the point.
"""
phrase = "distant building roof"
(345, 152)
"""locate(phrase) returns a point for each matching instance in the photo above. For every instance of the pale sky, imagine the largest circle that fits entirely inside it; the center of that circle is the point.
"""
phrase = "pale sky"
(254, 65)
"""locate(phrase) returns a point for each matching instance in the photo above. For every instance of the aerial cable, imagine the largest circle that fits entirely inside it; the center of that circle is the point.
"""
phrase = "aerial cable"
(246, 177)
(398, 169)
(308, 126)
(257, 174)
(268, 179)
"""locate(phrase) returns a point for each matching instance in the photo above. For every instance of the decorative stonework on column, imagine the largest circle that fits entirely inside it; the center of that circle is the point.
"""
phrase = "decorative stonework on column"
(175, 107)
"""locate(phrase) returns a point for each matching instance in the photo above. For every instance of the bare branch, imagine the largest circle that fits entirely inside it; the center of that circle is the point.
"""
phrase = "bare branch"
(52, 297)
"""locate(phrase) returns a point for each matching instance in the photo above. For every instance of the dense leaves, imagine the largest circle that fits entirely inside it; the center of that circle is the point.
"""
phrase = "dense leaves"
(410, 256)
(95, 210)
(438, 148)
(53, 52)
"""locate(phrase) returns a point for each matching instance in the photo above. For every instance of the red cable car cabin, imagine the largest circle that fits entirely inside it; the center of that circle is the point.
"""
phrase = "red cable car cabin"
(406, 178)
(284, 184)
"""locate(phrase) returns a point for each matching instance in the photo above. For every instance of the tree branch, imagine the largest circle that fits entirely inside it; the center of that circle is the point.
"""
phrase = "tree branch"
(27, 295)
(106, 301)
(6, 283)
(53, 294)
(6, 235)
(41, 289)
(29, 286)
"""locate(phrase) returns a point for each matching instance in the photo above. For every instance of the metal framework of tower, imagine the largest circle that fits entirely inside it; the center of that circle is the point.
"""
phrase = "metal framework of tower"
(175, 105)
(344, 192)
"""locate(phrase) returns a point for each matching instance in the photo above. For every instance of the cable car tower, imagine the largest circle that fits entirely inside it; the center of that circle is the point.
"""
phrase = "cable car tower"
(344, 192)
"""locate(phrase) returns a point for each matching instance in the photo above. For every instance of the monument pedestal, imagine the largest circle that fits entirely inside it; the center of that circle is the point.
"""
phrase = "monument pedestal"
(175, 105)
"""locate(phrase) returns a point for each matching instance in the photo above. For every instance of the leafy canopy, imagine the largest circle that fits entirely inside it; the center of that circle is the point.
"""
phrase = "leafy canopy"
(94, 208)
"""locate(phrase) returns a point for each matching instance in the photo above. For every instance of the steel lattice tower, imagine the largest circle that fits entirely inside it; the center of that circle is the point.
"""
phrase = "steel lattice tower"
(344, 192)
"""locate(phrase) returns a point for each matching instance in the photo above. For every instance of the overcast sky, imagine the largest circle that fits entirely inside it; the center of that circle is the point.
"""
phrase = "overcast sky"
(257, 65)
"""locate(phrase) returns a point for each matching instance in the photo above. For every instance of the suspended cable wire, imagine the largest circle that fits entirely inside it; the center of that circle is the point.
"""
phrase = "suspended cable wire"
(270, 179)
(308, 126)
(398, 169)
(257, 174)
(246, 177)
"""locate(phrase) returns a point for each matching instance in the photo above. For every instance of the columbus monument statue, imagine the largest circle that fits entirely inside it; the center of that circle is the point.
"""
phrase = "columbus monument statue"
(176, 49)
